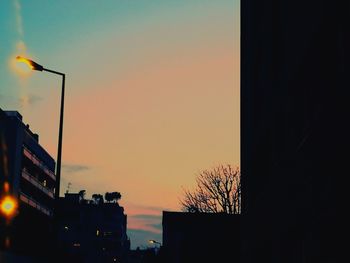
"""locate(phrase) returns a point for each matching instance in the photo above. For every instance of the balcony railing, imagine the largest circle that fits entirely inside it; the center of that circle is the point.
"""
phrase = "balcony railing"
(36, 183)
(38, 163)
(30, 201)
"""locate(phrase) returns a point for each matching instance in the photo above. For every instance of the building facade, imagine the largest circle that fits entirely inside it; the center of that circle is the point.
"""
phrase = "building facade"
(27, 176)
(91, 232)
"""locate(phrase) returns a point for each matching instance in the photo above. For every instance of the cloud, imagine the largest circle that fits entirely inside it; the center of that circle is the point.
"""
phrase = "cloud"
(22, 101)
(74, 168)
(146, 222)
(148, 208)
(157, 226)
(29, 100)
(150, 221)
(147, 217)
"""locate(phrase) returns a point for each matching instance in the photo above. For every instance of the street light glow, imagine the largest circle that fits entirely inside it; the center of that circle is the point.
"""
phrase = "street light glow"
(33, 65)
(24, 60)
(8, 206)
(153, 241)
(6, 187)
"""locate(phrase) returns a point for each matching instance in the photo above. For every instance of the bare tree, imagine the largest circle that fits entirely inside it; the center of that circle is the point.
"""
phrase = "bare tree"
(217, 191)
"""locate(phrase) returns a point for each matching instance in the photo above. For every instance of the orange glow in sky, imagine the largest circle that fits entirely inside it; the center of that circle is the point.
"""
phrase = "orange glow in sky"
(20, 66)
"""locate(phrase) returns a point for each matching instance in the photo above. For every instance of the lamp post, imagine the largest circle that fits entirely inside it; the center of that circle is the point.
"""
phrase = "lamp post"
(35, 66)
(156, 250)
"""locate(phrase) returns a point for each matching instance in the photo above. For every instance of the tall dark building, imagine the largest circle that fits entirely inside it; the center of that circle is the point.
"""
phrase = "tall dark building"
(91, 232)
(26, 175)
(295, 62)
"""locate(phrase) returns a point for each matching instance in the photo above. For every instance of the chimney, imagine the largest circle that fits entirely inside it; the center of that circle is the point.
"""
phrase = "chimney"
(36, 137)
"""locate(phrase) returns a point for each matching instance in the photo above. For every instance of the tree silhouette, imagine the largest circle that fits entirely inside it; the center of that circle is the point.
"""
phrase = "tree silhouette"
(82, 199)
(217, 191)
(98, 199)
(112, 197)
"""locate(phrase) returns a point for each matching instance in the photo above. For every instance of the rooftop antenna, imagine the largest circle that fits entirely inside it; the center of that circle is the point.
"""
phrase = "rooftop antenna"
(68, 187)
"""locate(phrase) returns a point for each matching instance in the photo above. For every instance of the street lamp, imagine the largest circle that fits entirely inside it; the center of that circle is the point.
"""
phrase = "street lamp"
(156, 249)
(35, 66)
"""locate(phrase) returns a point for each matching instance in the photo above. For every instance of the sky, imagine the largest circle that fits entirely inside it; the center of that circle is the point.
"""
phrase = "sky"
(152, 94)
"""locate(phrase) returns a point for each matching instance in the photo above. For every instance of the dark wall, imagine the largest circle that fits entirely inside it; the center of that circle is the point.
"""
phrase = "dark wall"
(294, 131)
(200, 237)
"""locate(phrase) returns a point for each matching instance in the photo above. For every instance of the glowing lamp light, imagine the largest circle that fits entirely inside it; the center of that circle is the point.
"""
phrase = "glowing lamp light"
(154, 242)
(8, 206)
(33, 65)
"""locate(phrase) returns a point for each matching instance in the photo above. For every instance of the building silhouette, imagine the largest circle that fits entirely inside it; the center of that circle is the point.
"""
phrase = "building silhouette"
(149, 255)
(294, 131)
(91, 232)
(200, 237)
(27, 174)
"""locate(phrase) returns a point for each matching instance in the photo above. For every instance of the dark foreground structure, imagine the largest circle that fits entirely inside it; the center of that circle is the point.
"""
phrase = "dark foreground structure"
(295, 91)
(200, 237)
(27, 176)
(91, 232)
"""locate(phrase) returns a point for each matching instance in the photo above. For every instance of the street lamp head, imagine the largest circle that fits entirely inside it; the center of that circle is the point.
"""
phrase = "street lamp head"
(33, 65)
(153, 241)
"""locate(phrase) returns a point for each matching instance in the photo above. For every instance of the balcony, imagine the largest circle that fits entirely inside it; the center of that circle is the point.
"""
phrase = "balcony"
(36, 183)
(33, 203)
(38, 163)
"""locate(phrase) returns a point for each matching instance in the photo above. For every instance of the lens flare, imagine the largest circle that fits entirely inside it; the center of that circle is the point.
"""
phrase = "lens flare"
(6, 187)
(23, 69)
(7, 242)
(8, 206)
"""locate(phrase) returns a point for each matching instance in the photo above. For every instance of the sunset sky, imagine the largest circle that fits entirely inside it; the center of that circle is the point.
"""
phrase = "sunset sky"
(152, 94)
